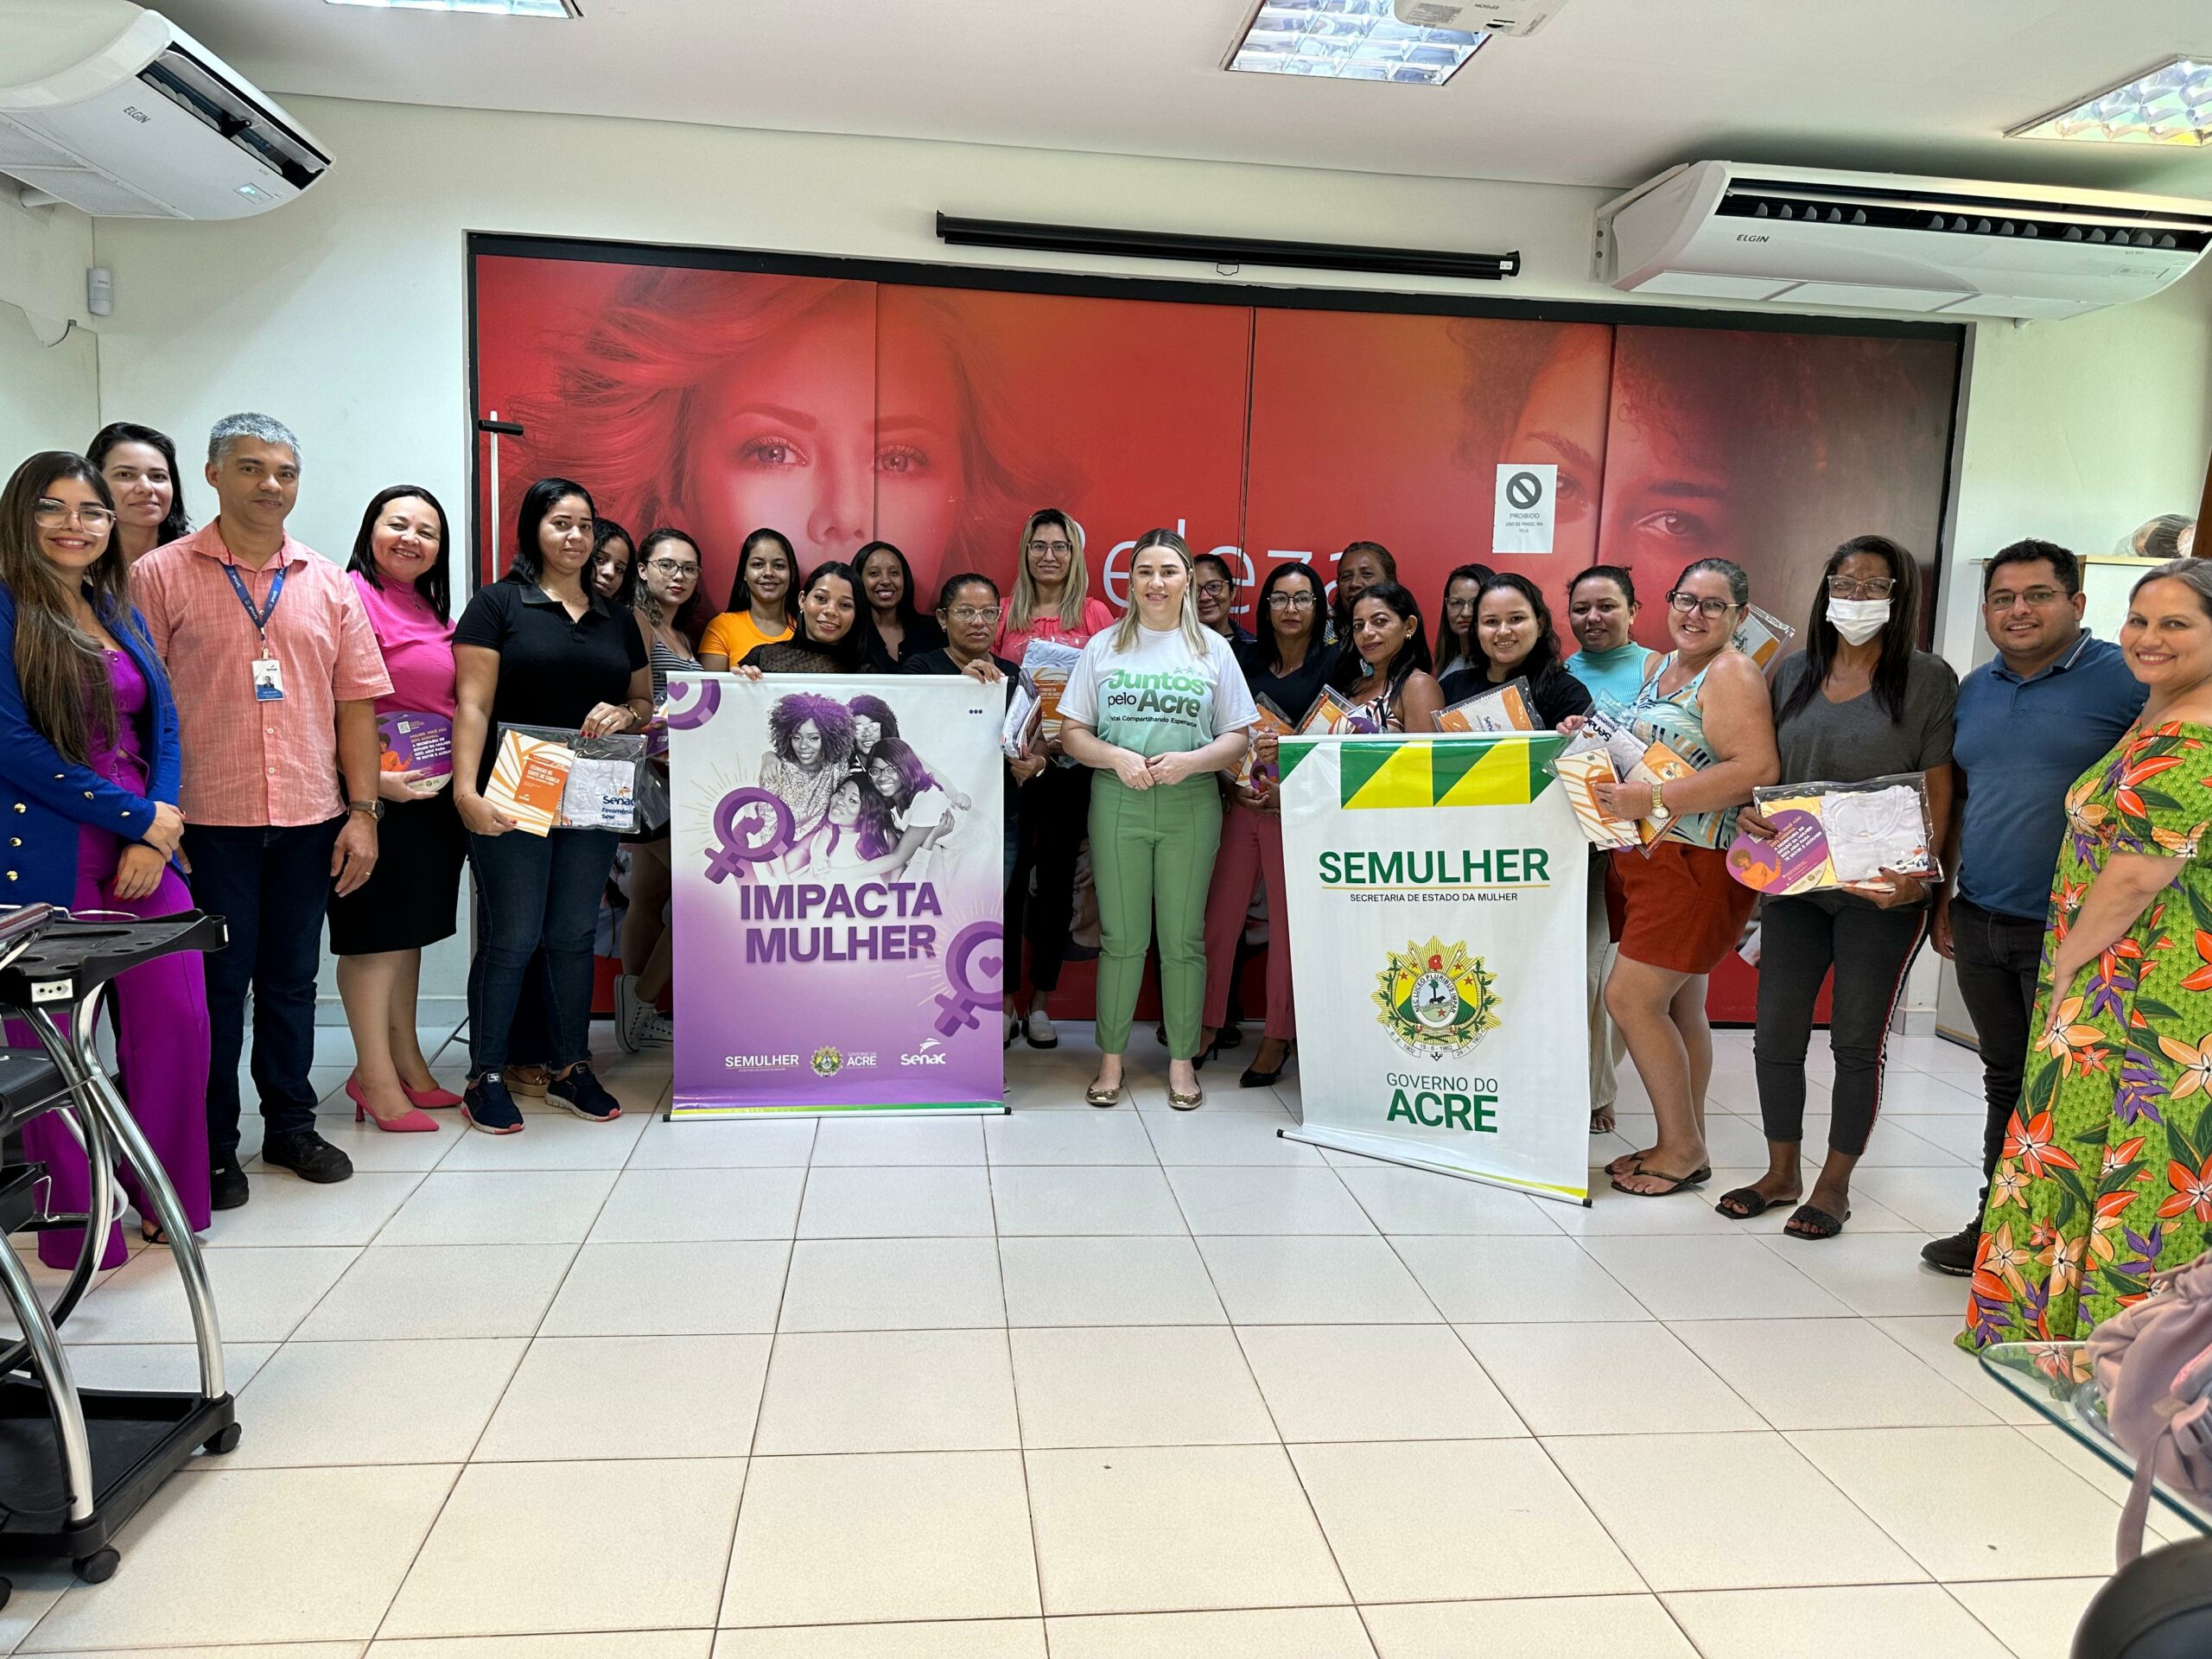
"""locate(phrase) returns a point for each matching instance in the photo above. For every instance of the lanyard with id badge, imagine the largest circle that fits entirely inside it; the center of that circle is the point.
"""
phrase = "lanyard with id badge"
(268, 672)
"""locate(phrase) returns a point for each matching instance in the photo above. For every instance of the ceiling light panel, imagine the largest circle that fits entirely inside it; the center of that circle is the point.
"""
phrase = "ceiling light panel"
(2171, 105)
(485, 8)
(1348, 40)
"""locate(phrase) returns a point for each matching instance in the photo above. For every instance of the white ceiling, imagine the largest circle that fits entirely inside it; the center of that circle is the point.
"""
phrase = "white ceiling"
(1610, 92)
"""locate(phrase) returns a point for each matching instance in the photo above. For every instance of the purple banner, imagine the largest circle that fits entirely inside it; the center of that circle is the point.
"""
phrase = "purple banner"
(839, 875)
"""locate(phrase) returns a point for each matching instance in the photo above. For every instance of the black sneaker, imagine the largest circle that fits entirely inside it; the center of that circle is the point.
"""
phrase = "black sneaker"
(1954, 1254)
(584, 1094)
(227, 1187)
(309, 1156)
(487, 1106)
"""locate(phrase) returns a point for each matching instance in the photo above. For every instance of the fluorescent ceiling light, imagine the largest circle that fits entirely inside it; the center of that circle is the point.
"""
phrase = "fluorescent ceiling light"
(489, 8)
(1348, 40)
(2170, 105)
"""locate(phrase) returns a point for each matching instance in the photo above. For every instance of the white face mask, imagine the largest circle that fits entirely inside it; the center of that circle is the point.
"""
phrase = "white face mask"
(1859, 619)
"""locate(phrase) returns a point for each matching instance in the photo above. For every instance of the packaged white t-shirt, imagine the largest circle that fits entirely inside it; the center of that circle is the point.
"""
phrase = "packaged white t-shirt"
(1159, 697)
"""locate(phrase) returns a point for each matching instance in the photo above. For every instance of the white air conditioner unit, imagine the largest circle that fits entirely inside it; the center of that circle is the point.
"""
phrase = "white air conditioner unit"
(1885, 242)
(126, 116)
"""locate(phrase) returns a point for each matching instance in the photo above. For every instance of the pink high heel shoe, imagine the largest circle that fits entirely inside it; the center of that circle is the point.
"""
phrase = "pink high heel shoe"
(433, 1096)
(405, 1123)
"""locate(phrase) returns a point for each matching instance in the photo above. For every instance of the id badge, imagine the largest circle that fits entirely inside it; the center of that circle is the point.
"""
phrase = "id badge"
(267, 680)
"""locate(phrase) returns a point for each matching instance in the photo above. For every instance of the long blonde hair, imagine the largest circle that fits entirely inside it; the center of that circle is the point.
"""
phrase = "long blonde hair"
(1022, 607)
(1194, 633)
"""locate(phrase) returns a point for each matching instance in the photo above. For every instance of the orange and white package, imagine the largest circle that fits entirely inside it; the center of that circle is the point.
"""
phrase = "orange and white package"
(529, 778)
(1271, 719)
(1580, 771)
(1502, 709)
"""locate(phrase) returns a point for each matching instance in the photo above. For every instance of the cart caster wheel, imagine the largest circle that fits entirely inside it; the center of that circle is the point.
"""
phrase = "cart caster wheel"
(98, 1566)
(226, 1441)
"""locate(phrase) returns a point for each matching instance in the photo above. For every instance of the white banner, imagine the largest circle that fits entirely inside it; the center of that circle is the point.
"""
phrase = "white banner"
(1439, 897)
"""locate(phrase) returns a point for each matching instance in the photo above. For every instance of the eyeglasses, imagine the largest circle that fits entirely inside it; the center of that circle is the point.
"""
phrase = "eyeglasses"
(1872, 587)
(670, 568)
(1052, 547)
(1215, 589)
(1713, 608)
(2036, 597)
(1291, 601)
(51, 513)
(969, 616)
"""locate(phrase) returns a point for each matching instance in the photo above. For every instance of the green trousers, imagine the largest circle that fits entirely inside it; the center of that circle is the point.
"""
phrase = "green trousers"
(1151, 855)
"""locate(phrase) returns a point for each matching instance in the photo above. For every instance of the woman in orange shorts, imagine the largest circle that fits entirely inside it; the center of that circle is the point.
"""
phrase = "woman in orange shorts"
(1677, 911)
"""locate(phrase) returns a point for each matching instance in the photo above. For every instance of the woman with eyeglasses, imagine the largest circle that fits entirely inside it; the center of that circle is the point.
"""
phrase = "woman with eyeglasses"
(401, 567)
(668, 581)
(1217, 592)
(90, 760)
(895, 627)
(1860, 701)
(761, 602)
(1287, 663)
(1455, 618)
(1050, 601)
(1676, 909)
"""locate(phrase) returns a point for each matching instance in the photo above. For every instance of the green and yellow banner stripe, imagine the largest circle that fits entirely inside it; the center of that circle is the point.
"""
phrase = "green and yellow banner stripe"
(1502, 769)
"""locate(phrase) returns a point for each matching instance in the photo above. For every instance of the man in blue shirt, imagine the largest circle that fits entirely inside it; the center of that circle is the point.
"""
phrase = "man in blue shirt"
(2052, 703)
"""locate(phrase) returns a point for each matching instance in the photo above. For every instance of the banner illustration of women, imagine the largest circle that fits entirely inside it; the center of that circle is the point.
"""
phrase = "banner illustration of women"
(837, 900)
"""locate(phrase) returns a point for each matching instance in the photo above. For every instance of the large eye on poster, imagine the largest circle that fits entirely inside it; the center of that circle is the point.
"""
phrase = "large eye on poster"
(1770, 450)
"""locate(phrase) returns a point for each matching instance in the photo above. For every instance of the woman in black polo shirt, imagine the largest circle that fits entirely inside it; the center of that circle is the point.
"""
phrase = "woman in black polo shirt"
(538, 648)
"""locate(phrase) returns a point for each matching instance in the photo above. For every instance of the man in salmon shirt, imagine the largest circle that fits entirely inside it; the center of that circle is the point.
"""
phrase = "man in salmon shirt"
(277, 674)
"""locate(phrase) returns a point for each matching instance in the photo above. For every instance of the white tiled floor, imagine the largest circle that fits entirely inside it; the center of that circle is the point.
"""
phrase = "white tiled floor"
(1078, 1384)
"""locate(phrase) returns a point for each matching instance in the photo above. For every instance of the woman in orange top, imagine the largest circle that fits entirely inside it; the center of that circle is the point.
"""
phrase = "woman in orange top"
(759, 611)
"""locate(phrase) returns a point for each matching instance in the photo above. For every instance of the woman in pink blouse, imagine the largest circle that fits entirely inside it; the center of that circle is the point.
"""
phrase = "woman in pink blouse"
(1051, 601)
(411, 900)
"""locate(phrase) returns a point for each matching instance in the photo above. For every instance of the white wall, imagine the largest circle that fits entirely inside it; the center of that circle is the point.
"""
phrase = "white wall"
(49, 393)
(344, 314)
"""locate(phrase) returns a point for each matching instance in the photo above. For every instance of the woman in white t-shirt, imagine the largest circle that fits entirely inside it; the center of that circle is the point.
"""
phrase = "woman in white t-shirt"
(1155, 706)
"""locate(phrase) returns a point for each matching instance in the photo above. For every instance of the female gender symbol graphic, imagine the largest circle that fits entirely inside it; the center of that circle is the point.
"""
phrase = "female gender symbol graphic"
(963, 997)
(739, 851)
(704, 697)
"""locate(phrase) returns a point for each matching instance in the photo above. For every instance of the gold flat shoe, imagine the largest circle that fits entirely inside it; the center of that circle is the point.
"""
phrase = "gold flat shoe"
(1189, 1103)
(1098, 1096)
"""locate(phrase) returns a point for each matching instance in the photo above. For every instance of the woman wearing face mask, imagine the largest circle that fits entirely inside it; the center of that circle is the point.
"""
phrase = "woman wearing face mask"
(760, 610)
(1385, 670)
(140, 467)
(1050, 601)
(88, 744)
(1155, 811)
(968, 611)
(412, 899)
(1455, 618)
(1288, 664)
(894, 626)
(668, 565)
(539, 647)
(1601, 609)
(1859, 701)
(1514, 640)
(1359, 567)
(1676, 910)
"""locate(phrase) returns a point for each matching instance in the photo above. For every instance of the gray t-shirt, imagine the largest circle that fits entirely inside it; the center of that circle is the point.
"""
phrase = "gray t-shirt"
(1848, 742)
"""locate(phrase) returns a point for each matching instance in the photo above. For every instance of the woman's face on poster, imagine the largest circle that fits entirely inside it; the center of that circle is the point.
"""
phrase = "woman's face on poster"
(1563, 424)
(845, 805)
(885, 777)
(806, 743)
(833, 441)
(865, 732)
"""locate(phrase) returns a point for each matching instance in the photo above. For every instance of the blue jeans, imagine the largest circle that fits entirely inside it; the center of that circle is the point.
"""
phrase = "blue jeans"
(535, 895)
(271, 887)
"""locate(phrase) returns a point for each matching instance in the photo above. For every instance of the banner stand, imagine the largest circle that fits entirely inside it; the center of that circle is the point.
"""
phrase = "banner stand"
(1438, 893)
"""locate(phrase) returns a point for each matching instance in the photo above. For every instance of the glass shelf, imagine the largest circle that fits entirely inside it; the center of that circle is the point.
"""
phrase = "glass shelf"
(2053, 1378)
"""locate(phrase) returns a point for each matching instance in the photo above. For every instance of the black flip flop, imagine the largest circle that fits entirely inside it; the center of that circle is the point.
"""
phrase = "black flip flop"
(1696, 1178)
(1810, 1223)
(1744, 1202)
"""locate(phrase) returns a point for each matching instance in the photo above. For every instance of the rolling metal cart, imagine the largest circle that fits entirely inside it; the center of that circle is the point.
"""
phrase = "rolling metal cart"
(75, 1464)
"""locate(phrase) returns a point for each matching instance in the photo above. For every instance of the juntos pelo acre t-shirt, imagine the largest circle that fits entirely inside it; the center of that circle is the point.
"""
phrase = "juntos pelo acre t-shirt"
(1159, 697)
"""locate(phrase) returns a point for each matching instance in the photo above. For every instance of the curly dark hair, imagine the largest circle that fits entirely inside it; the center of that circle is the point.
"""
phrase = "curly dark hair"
(830, 717)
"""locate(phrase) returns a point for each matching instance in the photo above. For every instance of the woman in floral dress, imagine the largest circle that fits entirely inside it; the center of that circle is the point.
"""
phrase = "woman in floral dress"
(2106, 1176)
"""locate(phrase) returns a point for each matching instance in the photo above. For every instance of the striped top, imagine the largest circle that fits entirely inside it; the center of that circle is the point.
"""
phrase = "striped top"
(665, 659)
(1679, 723)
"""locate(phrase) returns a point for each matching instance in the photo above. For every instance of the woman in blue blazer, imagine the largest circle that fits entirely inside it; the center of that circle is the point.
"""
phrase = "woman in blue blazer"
(89, 774)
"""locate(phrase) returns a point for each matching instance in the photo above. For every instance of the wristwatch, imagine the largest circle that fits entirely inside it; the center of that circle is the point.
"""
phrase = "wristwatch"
(374, 808)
